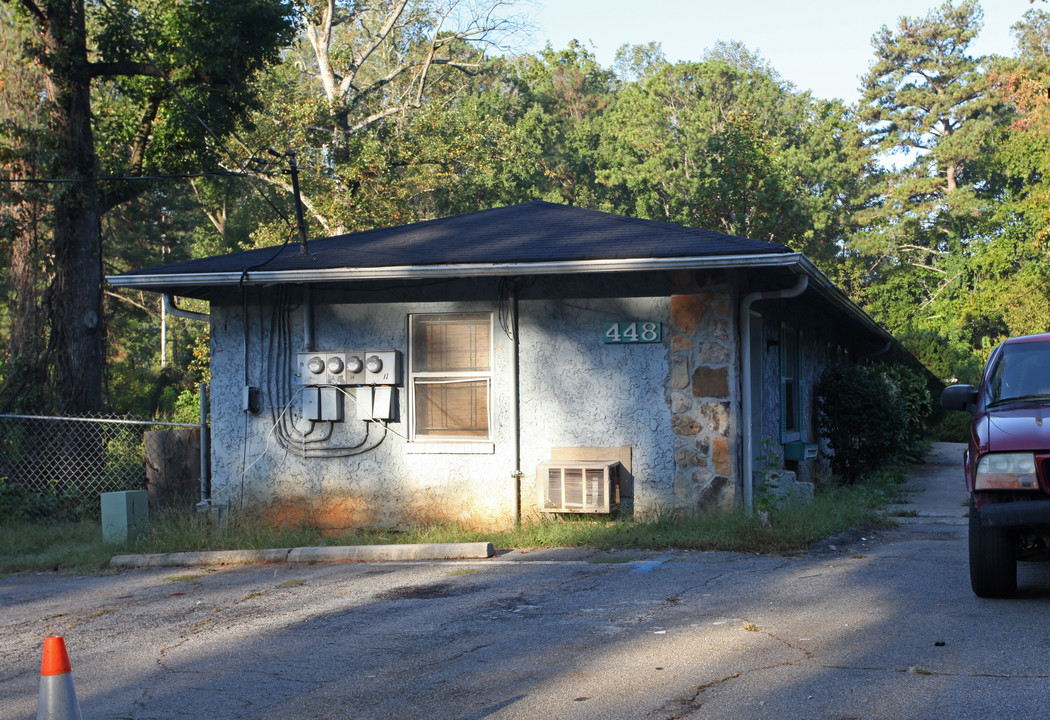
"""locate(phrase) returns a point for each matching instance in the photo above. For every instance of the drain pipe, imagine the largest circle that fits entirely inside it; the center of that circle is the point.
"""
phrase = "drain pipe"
(205, 448)
(172, 309)
(516, 414)
(745, 378)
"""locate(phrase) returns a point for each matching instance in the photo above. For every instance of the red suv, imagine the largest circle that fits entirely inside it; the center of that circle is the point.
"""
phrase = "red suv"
(1007, 462)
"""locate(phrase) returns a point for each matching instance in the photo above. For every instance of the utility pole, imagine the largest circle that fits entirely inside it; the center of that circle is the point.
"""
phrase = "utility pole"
(299, 221)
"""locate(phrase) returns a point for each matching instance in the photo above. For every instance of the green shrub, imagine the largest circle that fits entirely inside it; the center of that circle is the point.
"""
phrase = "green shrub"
(20, 505)
(188, 407)
(864, 417)
(917, 403)
(952, 427)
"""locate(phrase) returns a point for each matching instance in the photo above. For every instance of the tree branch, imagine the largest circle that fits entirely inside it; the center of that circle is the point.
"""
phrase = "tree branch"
(321, 41)
(929, 267)
(124, 68)
(931, 251)
(218, 221)
(138, 145)
(34, 10)
(110, 293)
(945, 284)
(359, 59)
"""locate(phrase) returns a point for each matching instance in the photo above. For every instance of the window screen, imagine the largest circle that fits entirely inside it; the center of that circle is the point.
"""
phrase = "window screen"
(451, 364)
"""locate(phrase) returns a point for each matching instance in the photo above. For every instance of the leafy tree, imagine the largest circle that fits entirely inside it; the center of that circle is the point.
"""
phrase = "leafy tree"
(636, 62)
(566, 93)
(924, 93)
(732, 149)
(346, 96)
(926, 100)
(736, 54)
(1022, 158)
(160, 109)
(950, 244)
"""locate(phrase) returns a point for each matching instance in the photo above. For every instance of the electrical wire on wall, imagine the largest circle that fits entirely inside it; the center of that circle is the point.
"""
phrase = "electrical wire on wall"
(503, 309)
(503, 292)
(279, 360)
(275, 336)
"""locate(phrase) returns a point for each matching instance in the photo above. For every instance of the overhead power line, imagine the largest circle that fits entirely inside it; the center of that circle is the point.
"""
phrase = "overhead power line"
(123, 178)
(175, 92)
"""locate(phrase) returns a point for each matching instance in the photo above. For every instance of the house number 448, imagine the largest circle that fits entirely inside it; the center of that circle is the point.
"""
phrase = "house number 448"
(632, 332)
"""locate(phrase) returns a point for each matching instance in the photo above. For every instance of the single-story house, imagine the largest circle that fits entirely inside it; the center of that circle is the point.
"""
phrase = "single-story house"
(508, 362)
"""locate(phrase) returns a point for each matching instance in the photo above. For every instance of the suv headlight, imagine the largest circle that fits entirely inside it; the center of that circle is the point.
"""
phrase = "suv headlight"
(1006, 471)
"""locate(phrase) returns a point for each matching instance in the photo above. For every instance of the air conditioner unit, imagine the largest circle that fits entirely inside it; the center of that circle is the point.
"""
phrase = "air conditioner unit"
(579, 487)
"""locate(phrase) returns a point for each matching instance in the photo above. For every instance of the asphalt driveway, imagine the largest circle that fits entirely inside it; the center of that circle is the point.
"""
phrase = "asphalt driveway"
(865, 625)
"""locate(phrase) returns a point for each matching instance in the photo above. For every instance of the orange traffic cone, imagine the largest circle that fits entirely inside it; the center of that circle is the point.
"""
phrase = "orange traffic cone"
(58, 700)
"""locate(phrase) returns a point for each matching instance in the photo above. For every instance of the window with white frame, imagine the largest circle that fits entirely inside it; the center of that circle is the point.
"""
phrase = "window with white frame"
(450, 362)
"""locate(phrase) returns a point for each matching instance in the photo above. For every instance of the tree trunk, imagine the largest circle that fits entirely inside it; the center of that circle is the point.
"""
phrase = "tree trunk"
(76, 292)
(25, 387)
(173, 468)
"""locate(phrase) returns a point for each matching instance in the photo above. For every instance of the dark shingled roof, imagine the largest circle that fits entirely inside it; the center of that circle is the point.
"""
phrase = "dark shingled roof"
(532, 232)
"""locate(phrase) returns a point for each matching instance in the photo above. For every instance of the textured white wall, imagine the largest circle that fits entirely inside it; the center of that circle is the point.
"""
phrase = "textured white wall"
(578, 391)
(575, 391)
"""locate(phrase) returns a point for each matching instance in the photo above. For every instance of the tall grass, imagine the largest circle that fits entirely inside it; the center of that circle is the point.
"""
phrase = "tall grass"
(789, 527)
(33, 546)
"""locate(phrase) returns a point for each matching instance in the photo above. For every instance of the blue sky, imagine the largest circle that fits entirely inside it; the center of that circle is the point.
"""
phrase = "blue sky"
(820, 45)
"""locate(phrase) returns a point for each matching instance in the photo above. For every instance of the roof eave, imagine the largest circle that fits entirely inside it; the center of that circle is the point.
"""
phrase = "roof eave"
(422, 272)
(796, 262)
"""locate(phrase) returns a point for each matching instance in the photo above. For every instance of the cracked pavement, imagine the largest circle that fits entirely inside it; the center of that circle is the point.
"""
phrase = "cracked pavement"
(870, 624)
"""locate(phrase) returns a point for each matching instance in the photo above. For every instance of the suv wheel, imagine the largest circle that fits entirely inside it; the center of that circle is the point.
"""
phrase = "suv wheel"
(993, 564)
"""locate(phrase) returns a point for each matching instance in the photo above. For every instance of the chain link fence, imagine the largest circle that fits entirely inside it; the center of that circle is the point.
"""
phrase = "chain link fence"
(61, 465)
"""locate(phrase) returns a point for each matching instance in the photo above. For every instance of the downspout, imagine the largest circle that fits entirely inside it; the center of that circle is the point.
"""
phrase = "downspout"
(172, 309)
(745, 377)
(516, 413)
(205, 447)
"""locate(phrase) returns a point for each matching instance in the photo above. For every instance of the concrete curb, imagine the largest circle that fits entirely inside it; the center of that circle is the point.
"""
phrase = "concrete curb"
(344, 553)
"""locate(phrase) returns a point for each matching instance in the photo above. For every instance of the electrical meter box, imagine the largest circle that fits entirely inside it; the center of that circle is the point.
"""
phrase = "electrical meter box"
(350, 367)
(335, 366)
(322, 368)
(382, 367)
(355, 367)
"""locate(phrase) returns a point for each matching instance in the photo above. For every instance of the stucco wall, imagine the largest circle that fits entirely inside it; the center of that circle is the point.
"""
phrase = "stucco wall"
(578, 391)
(575, 391)
(675, 403)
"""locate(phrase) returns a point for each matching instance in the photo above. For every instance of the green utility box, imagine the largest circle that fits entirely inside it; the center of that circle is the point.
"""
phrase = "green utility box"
(798, 450)
(125, 515)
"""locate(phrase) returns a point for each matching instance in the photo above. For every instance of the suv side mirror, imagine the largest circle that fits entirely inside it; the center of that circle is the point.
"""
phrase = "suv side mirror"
(959, 397)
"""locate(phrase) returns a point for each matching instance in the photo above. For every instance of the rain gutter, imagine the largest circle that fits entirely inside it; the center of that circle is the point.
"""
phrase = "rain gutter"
(421, 272)
(796, 262)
